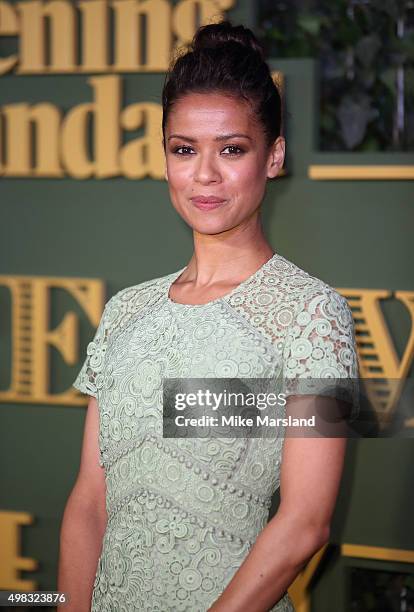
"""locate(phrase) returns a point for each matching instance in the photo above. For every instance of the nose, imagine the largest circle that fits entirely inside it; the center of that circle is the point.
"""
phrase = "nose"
(206, 170)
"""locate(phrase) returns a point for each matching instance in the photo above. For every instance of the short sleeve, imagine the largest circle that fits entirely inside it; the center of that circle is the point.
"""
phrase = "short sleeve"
(320, 355)
(87, 380)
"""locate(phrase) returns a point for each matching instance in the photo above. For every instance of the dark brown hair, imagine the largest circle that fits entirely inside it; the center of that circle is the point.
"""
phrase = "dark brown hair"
(227, 59)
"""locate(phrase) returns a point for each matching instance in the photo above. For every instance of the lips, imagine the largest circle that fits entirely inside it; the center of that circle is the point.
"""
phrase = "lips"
(207, 202)
(207, 199)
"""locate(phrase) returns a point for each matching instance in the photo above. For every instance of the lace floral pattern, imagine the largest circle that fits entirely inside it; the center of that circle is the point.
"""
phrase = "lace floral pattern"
(184, 513)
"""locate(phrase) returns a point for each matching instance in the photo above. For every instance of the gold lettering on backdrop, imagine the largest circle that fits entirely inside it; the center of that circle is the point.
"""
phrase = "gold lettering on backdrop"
(299, 590)
(31, 337)
(62, 146)
(378, 359)
(9, 26)
(143, 156)
(407, 298)
(128, 35)
(50, 42)
(18, 119)
(378, 553)
(94, 36)
(61, 17)
(11, 560)
(105, 112)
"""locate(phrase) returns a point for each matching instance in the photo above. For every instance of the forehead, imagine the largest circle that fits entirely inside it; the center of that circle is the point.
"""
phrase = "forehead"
(211, 113)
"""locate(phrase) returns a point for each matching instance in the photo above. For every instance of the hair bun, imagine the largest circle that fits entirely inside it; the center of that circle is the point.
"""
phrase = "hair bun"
(216, 35)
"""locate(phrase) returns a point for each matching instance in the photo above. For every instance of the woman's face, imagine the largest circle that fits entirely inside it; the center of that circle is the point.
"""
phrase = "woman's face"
(215, 150)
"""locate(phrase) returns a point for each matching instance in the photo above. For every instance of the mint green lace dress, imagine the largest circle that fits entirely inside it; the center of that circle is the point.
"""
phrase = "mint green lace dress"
(184, 513)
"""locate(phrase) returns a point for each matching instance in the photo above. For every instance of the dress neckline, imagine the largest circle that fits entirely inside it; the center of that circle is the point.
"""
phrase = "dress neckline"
(175, 275)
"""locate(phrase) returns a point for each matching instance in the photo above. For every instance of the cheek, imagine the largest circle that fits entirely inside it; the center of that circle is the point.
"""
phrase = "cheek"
(246, 176)
(178, 175)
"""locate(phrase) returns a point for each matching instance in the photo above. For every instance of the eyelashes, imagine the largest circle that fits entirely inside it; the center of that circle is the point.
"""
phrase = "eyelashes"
(237, 154)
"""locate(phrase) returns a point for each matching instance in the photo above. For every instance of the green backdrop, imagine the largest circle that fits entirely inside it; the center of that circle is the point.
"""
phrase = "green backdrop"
(125, 232)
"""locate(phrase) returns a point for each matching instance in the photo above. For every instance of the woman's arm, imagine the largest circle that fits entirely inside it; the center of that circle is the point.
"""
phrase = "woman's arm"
(310, 475)
(84, 522)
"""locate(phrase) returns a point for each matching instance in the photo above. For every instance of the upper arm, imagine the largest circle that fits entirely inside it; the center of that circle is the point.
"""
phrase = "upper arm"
(319, 354)
(90, 377)
(311, 471)
(90, 484)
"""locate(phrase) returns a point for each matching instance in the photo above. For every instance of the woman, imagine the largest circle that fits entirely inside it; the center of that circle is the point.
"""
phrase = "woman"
(185, 524)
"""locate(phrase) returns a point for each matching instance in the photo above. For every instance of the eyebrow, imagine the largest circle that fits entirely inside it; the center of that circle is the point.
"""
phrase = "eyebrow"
(218, 138)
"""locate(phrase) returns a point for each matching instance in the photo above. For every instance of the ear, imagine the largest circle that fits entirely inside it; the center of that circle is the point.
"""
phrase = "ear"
(166, 173)
(276, 157)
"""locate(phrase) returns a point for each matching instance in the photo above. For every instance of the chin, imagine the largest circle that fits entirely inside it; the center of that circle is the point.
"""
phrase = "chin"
(206, 222)
(212, 227)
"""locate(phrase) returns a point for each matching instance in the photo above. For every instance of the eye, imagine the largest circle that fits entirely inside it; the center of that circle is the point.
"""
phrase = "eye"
(237, 152)
(176, 150)
(186, 150)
